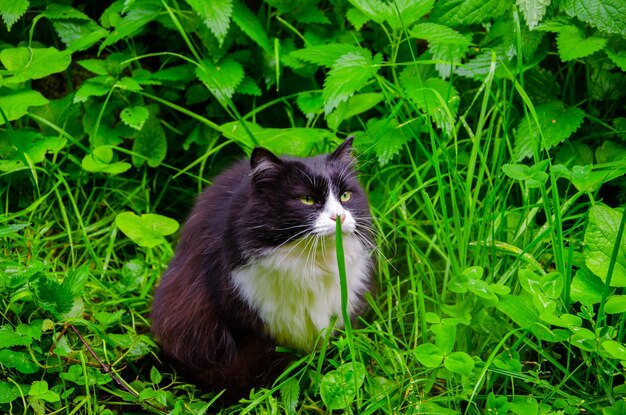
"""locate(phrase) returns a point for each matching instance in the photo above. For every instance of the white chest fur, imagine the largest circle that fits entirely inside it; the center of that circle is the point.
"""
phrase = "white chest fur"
(295, 289)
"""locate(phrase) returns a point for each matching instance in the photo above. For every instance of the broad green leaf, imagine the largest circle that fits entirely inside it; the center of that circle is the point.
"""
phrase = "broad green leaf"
(139, 15)
(403, 13)
(178, 74)
(9, 392)
(586, 179)
(215, 14)
(97, 66)
(552, 284)
(249, 87)
(12, 10)
(250, 25)
(606, 15)
(9, 338)
(101, 161)
(609, 152)
(20, 148)
(429, 355)
(433, 96)
(18, 360)
(338, 388)
(155, 376)
(289, 395)
(466, 12)
(294, 141)
(615, 304)
(25, 63)
(519, 309)
(150, 144)
(222, 78)
(146, 230)
(54, 297)
(375, 10)
(75, 280)
(459, 362)
(79, 35)
(445, 44)
(135, 117)
(533, 11)
(524, 406)
(94, 87)
(617, 57)
(39, 390)
(615, 349)
(357, 104)
(586, 287)
(573, 44)
(599, 241)
(556, 124)
(384, 137)
(325, 55)
(357, 18)
(310, 103)
(445, 336)
(56, 11)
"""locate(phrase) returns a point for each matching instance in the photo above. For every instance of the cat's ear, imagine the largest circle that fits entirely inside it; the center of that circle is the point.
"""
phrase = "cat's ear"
(344, 151)
(265, 165)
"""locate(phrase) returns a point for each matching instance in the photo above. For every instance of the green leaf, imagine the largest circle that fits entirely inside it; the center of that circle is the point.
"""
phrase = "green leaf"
(9, 338)
(150, 144)
(615, 349)
(357, 104)
(215, 14)
(555, 124)
(310, 103)
(56, 11)
(348, 74)
(466, 12)
(139, 14)
(434, 97)
(445, 336)
(155, 376)
(375, 10)
(18, 360)
(586, 287)
(135, 117)
(9, 392)
(39, 390)
(94, 87)
(615, 304)
(385, 137)
(79, 35)
(338, 388)
(325, 55)
(607, 15)
(101, 161)
(289, 395)
(459, 362)
(533, 11)
(21, 148)
(586, 179)
(617, 57)
(573, 44)
(97, 66)
(25, 63)
(403, 13)
(75, 280)
(250, 25)
(599, 241)
(54, 297)
(429, 355)
(445, 44)
(12, 10)
(147, 230)
(357, 18)
(524, 406)
(294, 141)
(221, 79)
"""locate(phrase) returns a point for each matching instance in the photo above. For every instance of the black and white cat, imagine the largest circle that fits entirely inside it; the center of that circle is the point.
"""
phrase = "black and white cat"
(256, 267)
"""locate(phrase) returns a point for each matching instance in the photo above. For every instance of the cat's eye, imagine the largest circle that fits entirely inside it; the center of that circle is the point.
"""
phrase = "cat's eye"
(345, 196)
(307, 200)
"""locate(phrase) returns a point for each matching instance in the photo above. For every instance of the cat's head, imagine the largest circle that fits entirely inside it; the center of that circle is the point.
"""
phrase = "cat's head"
(301, 197)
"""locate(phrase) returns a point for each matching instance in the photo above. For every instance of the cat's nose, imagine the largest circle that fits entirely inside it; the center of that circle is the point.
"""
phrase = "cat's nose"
(342, 217)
